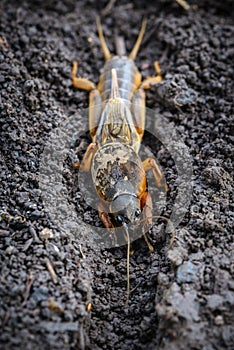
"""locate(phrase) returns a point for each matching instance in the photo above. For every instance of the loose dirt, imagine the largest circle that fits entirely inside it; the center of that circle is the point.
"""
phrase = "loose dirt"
(58, 291)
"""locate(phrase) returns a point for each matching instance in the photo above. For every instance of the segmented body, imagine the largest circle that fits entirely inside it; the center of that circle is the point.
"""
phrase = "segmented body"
(117, 86)
(116, 122)
(128, 77)
(116, 167)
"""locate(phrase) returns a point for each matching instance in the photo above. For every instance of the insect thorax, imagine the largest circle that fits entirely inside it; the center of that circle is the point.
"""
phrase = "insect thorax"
(117, 169)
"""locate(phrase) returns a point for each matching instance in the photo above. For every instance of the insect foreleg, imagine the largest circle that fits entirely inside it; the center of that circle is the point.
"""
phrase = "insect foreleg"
(104, 216)
(86, 161)
(150, 164)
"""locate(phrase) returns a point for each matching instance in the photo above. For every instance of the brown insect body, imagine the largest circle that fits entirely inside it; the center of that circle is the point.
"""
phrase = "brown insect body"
(116, 123)
(117, 86)
(120, 171)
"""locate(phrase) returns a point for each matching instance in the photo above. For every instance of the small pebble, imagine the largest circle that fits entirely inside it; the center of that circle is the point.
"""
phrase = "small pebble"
(45, 234)
(187, 272)
(219, 320)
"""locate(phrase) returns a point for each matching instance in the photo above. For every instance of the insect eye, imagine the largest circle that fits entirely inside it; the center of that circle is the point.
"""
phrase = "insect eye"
(137, 213)
(120, 219)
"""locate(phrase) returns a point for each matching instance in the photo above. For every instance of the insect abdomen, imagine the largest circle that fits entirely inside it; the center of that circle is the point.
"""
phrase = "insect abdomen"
(127, 76)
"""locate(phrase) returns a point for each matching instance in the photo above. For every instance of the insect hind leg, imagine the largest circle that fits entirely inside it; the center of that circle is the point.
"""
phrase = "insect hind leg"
(154, 80)
(81, 83)
(150, 164)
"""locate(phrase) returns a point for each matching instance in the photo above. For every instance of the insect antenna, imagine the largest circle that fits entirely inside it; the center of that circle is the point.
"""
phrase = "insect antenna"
(129, 247)
(128, 262)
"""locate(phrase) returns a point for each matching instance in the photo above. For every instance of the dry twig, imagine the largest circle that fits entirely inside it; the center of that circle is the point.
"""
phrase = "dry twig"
(28, 287)
(51, 271)
(184, 4)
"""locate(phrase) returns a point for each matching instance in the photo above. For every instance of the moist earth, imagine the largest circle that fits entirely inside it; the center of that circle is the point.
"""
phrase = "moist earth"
(59, 289)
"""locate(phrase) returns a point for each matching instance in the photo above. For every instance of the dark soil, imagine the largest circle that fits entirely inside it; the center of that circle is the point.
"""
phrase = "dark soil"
(183, 298)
